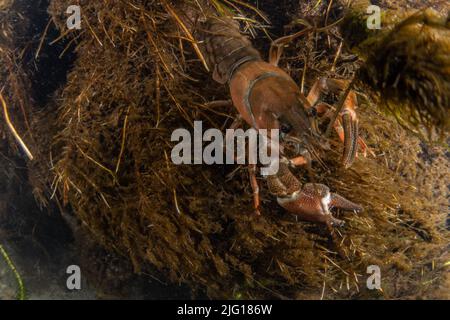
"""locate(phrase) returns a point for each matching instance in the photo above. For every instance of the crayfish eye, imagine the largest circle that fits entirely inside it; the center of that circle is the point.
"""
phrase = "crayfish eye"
(285, 128)
(312, 112)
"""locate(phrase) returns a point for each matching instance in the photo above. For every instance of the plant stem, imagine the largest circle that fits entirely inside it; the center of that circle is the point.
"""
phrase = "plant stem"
(21, 287)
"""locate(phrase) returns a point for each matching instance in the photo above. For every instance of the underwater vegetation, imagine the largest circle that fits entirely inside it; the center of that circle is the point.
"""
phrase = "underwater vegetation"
(96, 107)
(20, 285)
(407, 64)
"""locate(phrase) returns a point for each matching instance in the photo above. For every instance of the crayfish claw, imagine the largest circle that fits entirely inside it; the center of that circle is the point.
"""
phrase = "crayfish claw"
(339, 202)
(314, 202)
(336, 222)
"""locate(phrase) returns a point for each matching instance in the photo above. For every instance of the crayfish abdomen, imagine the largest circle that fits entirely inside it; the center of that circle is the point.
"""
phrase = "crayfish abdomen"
(225, 47)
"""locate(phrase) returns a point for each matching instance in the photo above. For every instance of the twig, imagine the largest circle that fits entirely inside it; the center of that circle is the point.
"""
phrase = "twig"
(187, 33)
(122, 146)
(42, 39)
(326, 20)
(97, 163)
(249, 6)
(13, 130)
(174, 191)
(302, 85)
(93, 33)
(152, 41)
(338, 53)
(158, 96)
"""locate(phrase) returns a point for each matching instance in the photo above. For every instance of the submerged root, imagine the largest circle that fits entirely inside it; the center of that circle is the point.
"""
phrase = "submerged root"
(20, 285)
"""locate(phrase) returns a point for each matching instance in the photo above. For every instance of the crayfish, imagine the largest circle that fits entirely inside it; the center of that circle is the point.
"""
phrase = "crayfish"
(266, 97)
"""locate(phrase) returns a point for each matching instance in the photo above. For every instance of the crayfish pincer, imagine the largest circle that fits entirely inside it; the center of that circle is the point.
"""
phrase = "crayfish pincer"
(266, 97)
(311, 202)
